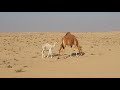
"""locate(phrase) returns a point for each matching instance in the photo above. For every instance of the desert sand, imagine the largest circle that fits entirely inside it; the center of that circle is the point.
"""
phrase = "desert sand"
(20, 55)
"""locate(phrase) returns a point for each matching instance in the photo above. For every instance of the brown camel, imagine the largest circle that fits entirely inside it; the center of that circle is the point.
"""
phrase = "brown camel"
(70, 40)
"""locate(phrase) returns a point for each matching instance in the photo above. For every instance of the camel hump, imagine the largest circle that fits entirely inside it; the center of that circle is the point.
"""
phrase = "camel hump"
(68, 33)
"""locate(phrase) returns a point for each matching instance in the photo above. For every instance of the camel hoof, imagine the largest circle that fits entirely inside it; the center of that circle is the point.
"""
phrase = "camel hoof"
(58, 58)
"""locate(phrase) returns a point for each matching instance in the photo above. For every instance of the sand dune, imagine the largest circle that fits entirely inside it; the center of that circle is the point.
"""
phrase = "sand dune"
(20, 55)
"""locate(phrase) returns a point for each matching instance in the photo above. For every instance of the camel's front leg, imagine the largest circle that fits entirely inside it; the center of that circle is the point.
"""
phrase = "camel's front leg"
(60, 49)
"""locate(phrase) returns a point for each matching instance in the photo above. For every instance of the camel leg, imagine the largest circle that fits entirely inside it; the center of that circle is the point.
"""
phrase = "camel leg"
(48, 54)
(43, 54)
(64, 50)
(71, 51)
(80, 50)
(60, 49)
(50, 51)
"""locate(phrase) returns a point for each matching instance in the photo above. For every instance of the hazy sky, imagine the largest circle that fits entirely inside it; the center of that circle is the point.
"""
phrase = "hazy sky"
(59, 21)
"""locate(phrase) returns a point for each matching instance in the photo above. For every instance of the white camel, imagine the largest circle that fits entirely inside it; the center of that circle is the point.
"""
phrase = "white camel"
(48, 47)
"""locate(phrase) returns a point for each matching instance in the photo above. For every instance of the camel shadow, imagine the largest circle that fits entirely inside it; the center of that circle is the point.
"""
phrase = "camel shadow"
(54, 55)
(59, 56)
(66, 55)
(74, 54)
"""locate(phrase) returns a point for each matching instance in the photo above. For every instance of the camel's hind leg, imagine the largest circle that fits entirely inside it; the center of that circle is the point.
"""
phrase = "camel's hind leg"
(43, 53)
(48, 54)
(50, 51)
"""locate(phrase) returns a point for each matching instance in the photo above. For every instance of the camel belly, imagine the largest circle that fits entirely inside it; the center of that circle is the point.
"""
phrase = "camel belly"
(68, 43)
